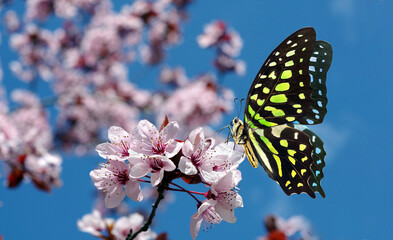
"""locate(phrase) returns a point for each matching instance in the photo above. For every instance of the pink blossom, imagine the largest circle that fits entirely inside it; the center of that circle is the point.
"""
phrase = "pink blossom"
(175, 76)
(122, 227)
(150, 141)
(198, 103)
(227, 198)
(232, 158)
(112, 178)
(199, 156)
(206, 212)
(118, 148)
(94, 223)
(11, 21)
(295, 224)
(217, 34)
(154, 164)
(225, 64)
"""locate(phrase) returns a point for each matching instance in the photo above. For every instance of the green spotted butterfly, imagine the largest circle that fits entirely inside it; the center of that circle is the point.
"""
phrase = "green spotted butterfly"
(288, 91)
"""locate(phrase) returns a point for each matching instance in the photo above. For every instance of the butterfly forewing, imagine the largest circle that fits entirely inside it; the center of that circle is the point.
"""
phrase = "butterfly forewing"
(286, 155)
(281, 91)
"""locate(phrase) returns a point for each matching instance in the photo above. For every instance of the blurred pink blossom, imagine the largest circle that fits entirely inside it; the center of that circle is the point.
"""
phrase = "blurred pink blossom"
(206, 213)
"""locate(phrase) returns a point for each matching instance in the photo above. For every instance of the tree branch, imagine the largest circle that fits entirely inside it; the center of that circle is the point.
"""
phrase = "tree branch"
(146, 226)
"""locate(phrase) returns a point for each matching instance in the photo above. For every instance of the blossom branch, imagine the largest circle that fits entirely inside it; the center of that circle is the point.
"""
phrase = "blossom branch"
(146, 226)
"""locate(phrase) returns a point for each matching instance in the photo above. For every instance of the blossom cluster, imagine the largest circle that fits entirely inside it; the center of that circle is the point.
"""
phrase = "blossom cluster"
(227, 44)
(82, 60)
(148, 154)
(107, 228)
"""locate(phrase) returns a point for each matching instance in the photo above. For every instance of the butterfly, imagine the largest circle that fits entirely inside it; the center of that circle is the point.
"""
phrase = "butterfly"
(288, 92)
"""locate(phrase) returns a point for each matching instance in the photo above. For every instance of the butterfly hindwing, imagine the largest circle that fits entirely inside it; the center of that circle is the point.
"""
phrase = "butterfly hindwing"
(319, 65)
(286, 155)
(318, 156)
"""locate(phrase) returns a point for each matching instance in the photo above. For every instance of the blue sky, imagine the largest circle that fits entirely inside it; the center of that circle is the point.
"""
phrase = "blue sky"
(356, 131)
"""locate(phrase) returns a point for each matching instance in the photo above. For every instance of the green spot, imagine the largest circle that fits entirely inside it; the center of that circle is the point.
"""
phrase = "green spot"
(296, 105)
(300, 185)
(260, 102)
(269, 145)
(266, 123)
(289, 63)
(303, 49)
(302, 147)
(272, 64)
(293, 173)
(301, 84)
(304, 159)
(282, 86)
(293, 161)
(278, 113)
(290, 119)
(254, 97)
(301, 59)
(290, 53)
(300, 72)
(251, 111)
(287, 183)
(303, 171)
(258, 85)
(270, 108)
(272, 75)
(291, 152)
(278, 161)
(299, 111)
(286, 74)
(284, 143)
(279, 98)
(266, 90)
(301, 96)
(263, 76)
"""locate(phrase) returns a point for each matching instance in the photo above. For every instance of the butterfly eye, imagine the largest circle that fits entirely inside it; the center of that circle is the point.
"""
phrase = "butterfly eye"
(236, 120)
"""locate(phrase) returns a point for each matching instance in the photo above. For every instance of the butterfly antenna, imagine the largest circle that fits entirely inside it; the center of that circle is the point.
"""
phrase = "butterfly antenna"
(218, 131)
(237, 108)
(241, 106)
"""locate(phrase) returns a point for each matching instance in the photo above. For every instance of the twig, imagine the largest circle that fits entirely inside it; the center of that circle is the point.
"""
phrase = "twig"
(146, 226)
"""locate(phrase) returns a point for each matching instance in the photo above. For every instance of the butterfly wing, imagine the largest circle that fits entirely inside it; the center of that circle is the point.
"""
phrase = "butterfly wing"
(283, 91)
(286, 154)
(318, 156)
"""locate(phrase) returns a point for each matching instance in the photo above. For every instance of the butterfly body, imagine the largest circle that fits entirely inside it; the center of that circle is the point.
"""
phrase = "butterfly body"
(289, 90)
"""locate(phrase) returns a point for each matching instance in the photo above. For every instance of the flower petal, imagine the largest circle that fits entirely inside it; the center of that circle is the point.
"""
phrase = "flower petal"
(157, 177)
(195, 225)
(186, 166)
(114, 196)
(147, 129)
(116, 134)
(173, 148)
(169, 131)
(133, 190)
(139, 170)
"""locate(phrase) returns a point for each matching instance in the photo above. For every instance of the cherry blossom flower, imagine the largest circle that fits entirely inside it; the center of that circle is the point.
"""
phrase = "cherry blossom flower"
(199, 156)
(112, 178)
(154, 164)
(206, 212)
(227, 198)
(148, 140)
(94, 223)
(232, 158)
(122, 227)
(118, 148)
